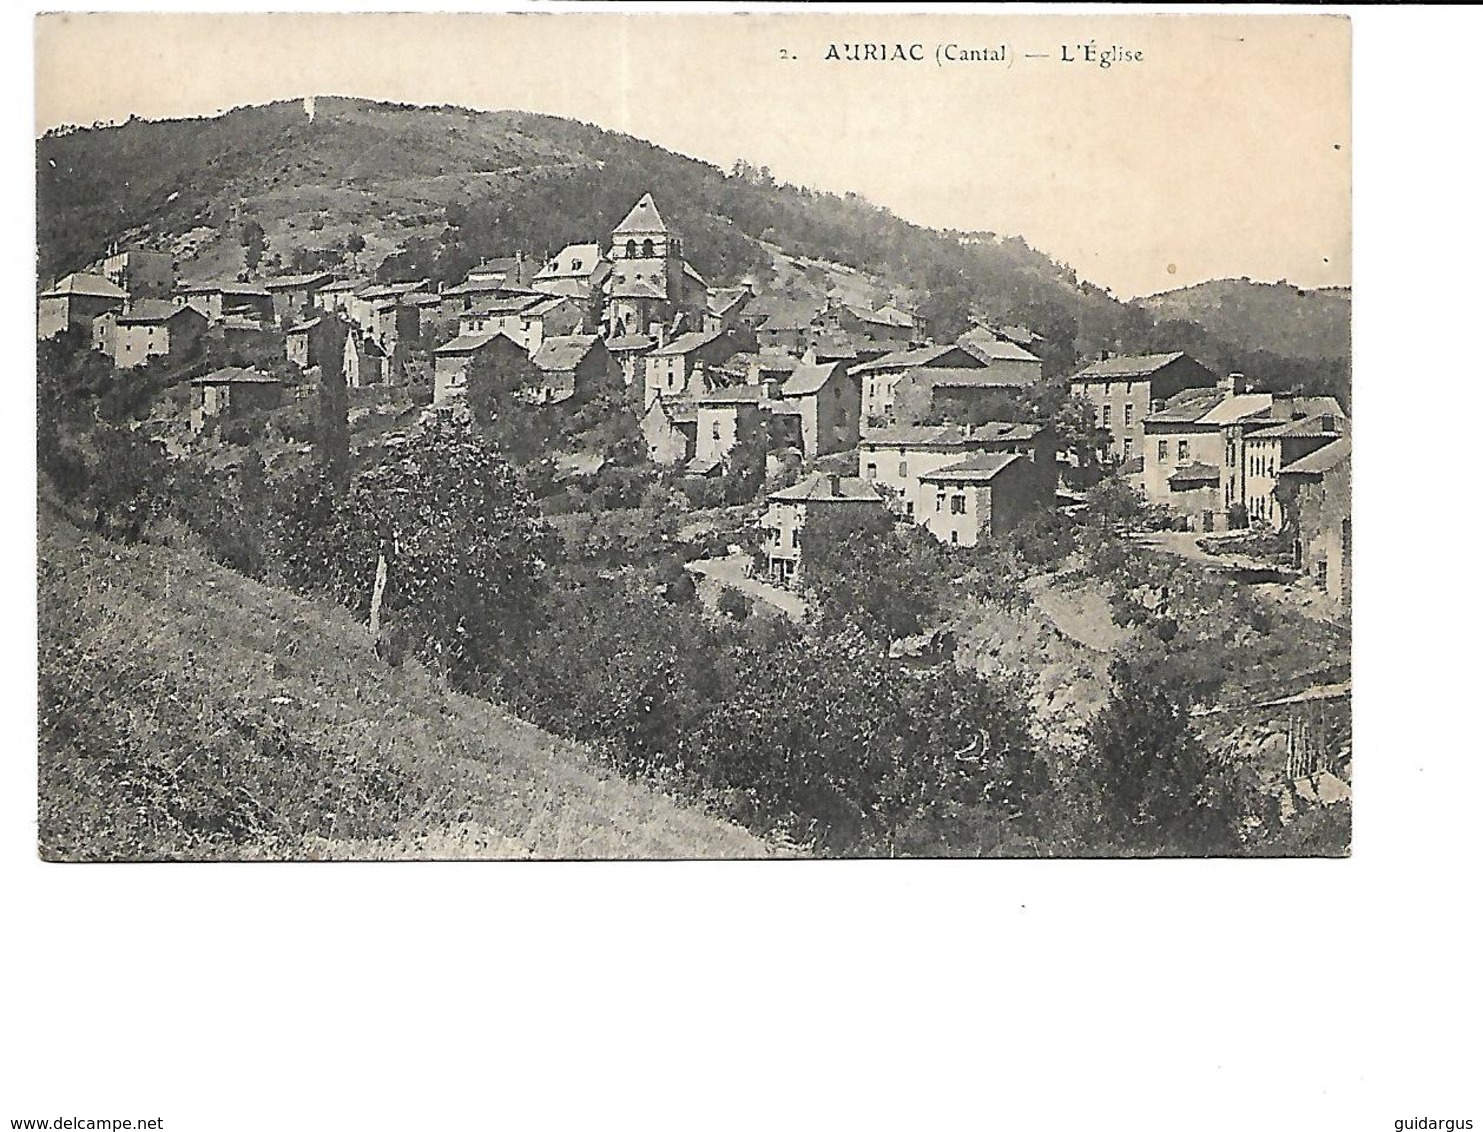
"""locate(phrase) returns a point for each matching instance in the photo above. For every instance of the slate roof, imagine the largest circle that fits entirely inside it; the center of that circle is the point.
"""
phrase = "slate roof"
(1326, 459)
(293, 282)
(511, 304)
(981, 468)
(629, 343)
(1125, 367)
(952, 436)
(1185, 407)
(966, 377)
(229, 288)
(234, 375)
(152, 311)
(564, 351)
(776, 361)
(642, 217)
(905, 359)
(585, 257)
(638, 279)
(1230, 410)
(1306, 427)
(735, 395)
(985, 346)
(720, 301)
(808, 379)
(818, 488)
(468, 343)
(1195, 473)
(81, 283)
(687, 343)
(304, 327)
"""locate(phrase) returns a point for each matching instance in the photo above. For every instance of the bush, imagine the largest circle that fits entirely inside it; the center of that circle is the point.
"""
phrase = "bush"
(734, 605)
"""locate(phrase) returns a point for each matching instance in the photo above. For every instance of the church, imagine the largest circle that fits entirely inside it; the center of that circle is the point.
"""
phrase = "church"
(650, 289)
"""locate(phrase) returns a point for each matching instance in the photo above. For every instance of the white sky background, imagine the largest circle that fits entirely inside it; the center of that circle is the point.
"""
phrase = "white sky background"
(1224, 153)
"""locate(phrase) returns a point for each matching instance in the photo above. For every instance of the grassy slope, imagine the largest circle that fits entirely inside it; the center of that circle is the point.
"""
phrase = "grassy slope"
(177, 659)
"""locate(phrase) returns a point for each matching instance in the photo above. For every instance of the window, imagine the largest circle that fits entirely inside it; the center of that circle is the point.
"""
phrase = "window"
(632, 249)
(953, 537)
(794, 538)
(910, 509)
(1128, 415)
(1183, 451)
(870, 471)
(901, 469)
(1163, 451)
(1106, 416)
(1127, 447)
(958, 505)
(576, 265)
(1323, 573)
(1230, 453)
(648, 248)
(1107, 389)
(940, 497)
(715, 430)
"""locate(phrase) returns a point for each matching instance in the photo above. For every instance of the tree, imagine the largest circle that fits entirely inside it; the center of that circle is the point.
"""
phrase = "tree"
(862, 568)
(254, 242)
(332, 426)
(1156, 779)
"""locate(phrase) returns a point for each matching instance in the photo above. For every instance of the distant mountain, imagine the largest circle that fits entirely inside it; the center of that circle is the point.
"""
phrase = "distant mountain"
(1276, 317)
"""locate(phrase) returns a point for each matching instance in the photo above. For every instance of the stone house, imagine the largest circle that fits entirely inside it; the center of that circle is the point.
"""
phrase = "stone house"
(293, 295)
(897, 458)
(723, 417)
(502, 315)
(232, 391)
(669, 429)
(143, 274)
(670, 367)
(452, 359)
(223, 300)
(572, 366)
(1124, 390)
(1271, 449)
(301, 343)
(651, 284)
(788, 512)
(980, 497)
(630, 352)
(827, 401)
(880, 376)
(1317, 487)
(149, 328)
(367, 362)
(74, 302)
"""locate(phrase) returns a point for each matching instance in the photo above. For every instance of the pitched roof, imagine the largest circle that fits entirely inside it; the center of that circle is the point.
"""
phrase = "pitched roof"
(228, 288)
(147, 311)
(510, 304)
(304, 327)
(642, 217)
(1318, 406)
(687, 343)
(234, 375)
(719, 301)
(808, 379)
(468, 343)
(820, 487)
(630, 343)
(948, 436)
(890, 316)
(1306, 427)
(1326, 459)
(1229, 410)
(342, 285)
(1195, 473)
(787, 320)
(81, 283)
(573, 260)
(293, 282)
(1185, 407)
(1126, 366)
(980, 468)
(961, 376)
(564, 351)
(906, 359)
(638, 279)
(771, 360)
(986, 346)
(735, 395)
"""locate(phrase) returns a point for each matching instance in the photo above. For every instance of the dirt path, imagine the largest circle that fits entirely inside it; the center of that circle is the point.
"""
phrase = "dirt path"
(731, 572)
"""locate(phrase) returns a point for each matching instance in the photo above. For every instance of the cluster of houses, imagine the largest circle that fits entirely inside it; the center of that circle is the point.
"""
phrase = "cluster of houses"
(710, 369)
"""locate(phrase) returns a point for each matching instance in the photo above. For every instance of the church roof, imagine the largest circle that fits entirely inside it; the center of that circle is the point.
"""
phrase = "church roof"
(643, 217)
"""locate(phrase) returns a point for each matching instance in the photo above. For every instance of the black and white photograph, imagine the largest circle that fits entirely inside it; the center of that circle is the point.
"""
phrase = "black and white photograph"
(439, 481)
(680, 566)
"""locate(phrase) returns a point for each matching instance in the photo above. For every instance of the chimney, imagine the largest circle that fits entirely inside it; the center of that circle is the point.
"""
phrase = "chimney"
(1103, 355)
(1326, 422)
(769, 388)
(1232, 384)
(833, 483)
(1284, 408)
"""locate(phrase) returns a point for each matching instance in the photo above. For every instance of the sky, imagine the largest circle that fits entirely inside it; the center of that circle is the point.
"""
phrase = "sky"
(1223, 151)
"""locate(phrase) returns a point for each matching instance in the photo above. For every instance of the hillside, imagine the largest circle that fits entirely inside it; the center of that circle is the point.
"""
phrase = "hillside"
(189, 713)
(445, 187)
(1275, 317)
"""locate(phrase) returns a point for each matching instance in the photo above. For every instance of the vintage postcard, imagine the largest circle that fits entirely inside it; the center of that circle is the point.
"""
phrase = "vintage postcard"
(651, 436)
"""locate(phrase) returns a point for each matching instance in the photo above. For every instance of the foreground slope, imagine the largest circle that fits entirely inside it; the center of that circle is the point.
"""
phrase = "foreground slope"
(190, 713)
